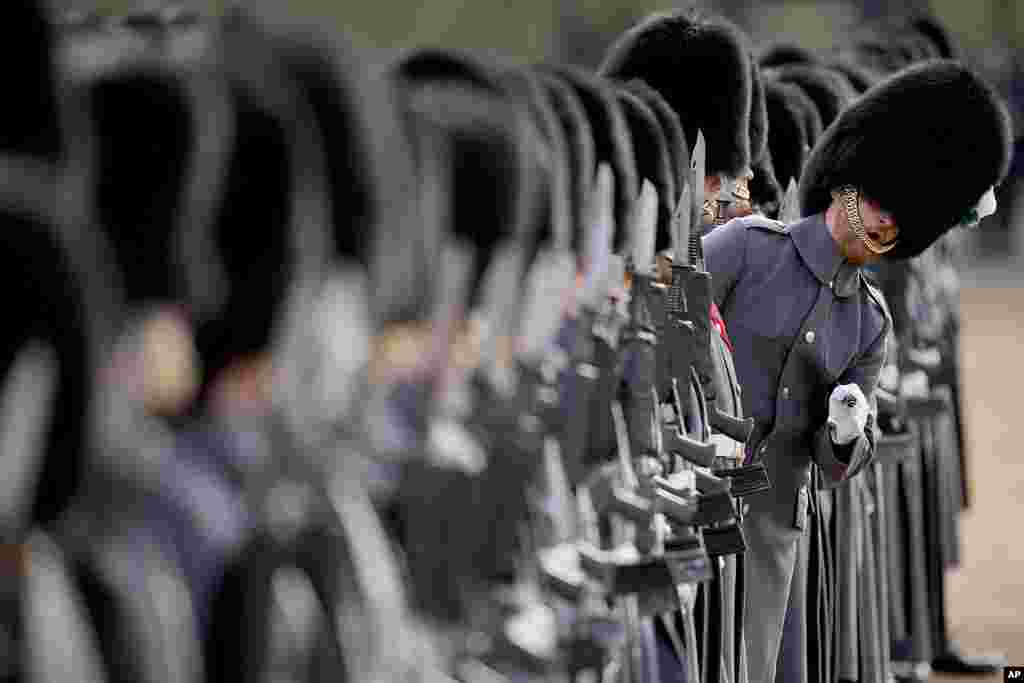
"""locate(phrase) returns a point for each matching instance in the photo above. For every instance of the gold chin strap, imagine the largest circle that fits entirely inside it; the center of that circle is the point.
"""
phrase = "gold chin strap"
(850, 197)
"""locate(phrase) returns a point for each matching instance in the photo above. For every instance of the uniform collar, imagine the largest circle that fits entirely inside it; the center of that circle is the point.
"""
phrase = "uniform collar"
(821, 254)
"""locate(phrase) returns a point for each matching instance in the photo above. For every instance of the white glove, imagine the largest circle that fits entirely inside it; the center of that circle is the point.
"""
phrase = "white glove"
(848, 410)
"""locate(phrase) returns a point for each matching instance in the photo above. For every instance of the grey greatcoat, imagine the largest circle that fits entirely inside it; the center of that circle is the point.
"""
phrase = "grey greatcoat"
(802, 321)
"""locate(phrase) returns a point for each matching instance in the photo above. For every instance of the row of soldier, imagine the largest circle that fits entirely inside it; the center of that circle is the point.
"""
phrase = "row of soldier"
(321, 368)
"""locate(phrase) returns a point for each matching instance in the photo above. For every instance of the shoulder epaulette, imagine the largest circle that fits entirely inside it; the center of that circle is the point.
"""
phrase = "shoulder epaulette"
(763, 223)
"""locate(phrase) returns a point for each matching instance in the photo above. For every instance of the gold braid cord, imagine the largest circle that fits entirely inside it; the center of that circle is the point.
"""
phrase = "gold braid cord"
(850, 197)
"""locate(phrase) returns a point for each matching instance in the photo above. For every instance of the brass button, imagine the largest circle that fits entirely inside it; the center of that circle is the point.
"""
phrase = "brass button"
(809, 337)
(785, 392)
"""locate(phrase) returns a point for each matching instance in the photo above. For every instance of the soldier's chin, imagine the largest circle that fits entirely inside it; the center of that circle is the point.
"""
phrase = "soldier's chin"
(854, 251)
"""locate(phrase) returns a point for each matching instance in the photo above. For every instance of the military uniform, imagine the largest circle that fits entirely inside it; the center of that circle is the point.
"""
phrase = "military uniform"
(802, 321)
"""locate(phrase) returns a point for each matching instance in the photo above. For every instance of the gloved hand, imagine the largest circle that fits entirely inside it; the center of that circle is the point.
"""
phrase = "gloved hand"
(848, 410)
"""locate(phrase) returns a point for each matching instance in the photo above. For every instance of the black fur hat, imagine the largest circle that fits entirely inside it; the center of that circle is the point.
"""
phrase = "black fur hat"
(813, 127)
(829, 91)
(437, 65)
(456, 98)
(580, 150)
(63, 301)
(30, 123)
(146, 20)
(765, 191)
(787, 137)
(780, 54)
(700, 65)
(916, 37)
(936, 33)
(612, 142)
(556, 161)
(926, 144)
(368, 163)
(483, 114)
(758, 116)
(487, 148)
(653, 160)
(46, 306)
(270, 219)
(138, 203)
(861, 78)
(672, 129)
(874, 47)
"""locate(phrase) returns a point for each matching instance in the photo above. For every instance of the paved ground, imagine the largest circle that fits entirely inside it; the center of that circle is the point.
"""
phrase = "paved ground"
(986, 597)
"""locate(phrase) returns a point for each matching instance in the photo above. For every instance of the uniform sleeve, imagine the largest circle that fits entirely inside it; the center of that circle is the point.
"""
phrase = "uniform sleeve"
(839, 463)
(725, 255)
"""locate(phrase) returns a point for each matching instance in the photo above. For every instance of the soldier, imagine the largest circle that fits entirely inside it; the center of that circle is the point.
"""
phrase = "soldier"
(713, 56)
(679, 54)
(809, 357)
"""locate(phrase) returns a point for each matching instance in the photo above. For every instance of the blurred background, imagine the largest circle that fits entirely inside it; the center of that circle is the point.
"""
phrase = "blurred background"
(987, 596)
(990, 33)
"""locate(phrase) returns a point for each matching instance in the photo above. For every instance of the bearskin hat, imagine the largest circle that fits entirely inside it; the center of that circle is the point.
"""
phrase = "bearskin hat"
(780, 54)
(765, 191)
(580, 148)
(861, 78)
(653, 159)
(487, 151)
(138, 204)
(367, 161)
(30, 124)
(671, 128)
(146, 20)
(872, 47)
(926, 144)
(787, 131)
(809, 115)
(758, 115)
(48, 308)
(700, 65)
(612, 142)
(936, 33)
(555, 162)
(467, 104)
(437, 65)
(270, 218)
(829, 91)
(913, 37)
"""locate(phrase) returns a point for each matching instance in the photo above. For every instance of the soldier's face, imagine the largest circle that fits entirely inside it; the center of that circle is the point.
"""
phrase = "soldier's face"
(880, 229)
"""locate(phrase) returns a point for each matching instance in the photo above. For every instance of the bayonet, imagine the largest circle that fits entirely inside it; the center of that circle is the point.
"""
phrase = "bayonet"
(503, 297)
(645, 219)
(550, 279)
(682, 225)
(698, 162)
(599, 239)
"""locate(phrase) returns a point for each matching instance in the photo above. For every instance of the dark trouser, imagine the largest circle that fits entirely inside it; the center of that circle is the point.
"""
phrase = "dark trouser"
(775, 573)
